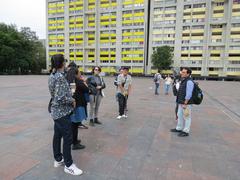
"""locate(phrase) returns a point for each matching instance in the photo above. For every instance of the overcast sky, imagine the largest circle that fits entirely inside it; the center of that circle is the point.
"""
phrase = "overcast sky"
(25, 13)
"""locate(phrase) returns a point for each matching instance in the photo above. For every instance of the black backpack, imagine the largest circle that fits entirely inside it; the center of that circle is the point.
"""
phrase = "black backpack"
(197, 94)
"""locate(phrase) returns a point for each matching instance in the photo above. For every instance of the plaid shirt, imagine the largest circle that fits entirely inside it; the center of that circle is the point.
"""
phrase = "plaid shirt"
(62, 101)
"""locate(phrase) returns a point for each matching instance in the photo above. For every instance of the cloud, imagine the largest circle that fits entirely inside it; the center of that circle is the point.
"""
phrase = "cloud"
(25, 13)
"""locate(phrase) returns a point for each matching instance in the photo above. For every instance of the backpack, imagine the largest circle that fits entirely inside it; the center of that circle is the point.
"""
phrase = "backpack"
(197, 94)
(155, 79)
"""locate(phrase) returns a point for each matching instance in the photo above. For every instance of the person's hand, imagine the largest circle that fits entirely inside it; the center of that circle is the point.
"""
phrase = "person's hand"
(125, 93)
(74, 104)
(99, 87)
(184, 106)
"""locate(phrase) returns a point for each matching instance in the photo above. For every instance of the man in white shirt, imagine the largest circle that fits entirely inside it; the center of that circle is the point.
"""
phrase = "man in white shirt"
(156, 80)
(124, 86)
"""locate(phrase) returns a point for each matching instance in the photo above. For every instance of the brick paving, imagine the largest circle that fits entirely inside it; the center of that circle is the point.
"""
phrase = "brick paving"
(140, 147)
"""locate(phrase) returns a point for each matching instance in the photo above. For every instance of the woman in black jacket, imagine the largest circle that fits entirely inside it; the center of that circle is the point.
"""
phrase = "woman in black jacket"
(95, 84)
(80, 112)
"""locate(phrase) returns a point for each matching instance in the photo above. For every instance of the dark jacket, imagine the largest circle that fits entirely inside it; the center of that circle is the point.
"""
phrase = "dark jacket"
(92, 84)
(181, 94)
(79, 96)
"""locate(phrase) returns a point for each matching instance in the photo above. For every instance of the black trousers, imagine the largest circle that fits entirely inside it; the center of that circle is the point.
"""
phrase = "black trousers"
(122, 102)
(63, 129)
(75, 132)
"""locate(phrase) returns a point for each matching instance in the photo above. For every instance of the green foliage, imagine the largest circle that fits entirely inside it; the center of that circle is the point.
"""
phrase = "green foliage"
(162, 57)
(20, 51)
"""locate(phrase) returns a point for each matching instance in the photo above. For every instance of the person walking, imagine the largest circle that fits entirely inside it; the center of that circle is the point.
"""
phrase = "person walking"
(184, 101)
(167, 84)
(61, 108)
(80, 112)
(95, 84)
(156, 79)
(124, 88)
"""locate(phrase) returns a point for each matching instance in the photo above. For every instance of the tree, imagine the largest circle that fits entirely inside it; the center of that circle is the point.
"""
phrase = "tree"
(20, 52)
(162, 57)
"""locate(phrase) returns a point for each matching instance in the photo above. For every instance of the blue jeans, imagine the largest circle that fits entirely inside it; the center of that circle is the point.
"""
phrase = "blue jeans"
(63, 129)
(184, 123)
(166, 88)
(156, 88)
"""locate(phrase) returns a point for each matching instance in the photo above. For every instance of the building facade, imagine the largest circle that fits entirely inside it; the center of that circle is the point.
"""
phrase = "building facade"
(205, 34)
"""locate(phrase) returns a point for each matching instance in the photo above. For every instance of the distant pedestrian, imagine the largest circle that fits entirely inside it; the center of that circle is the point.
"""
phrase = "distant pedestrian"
(116, 82)
(167, 84)
(156, 80)
(184, 100)
(61, 108)
(96, 85)
(124, 88)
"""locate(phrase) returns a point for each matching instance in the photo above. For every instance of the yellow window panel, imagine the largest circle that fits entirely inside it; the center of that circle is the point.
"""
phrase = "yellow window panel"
(203, 9)
(105, 23)
(104, 58)
(234, 51)
(184, 51)
(52, 11)
(52, 53)
(196, 51)
(79, 53)
(91, 35)
(127, 34)
(235, 36)
(216, 30)
(113, 52)
(79, 2)
(79, 58)
(60, 21)
(60, 43)
(104, 5)
(217, 37)
(79, 42)
(127, 40)
(233, 73)
(72, 58)
(137, 70)
(104, 17)
(113, 4)
(60, 27)
(232, 58)
(157, 32)
(214, 58)
(51, 5)
(71, 42)
(137, 52)
(235, 29)
(218, 15)
(138, 33)
(52, 22)
(103, 1)
(196, 72)
(72, 53)
(113, 35)
(126, 58)
(113, 22)
(91, 18)
(217, 8)
(187, 17)
(236, 6)
(71, 9)
(127, 22)
(91, 53)
(170, 12)
(91, 24)
(186, 37)
(104, 35)
(139, 21)
(236, 14)
(91, 7)
(126, 52)
(198, 16)
(60, 5)
(215, 51)
(79, 36)
(104, 41)
(79, 8)
(187, 10)
(127, 15)
(104, 52)
(127, 2)
(61, 37)
(52, 27)
(197, 37)
(91, 58)
(60, 10)
(138, 39)
(79, 25)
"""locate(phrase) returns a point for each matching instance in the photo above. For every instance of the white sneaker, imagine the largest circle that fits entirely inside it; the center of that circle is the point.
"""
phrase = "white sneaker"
(73, 170)
(124, 116)
(58, 164)
(119, 117)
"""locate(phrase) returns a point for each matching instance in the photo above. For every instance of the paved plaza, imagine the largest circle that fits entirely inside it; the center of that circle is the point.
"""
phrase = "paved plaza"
(138, 148)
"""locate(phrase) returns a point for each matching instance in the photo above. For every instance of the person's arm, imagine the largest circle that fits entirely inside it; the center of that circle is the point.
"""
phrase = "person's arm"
(130, 85)
(62, 92)
(119, 82)
(189, 90)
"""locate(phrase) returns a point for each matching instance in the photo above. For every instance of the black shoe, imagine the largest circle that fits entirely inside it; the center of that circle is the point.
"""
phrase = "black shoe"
(82, 126)
(175, 130)
(183, 134)
(91, 123)
(96, 121)
(78, 146)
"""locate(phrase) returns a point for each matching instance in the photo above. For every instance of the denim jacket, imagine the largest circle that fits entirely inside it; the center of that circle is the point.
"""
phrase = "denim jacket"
(62, 101)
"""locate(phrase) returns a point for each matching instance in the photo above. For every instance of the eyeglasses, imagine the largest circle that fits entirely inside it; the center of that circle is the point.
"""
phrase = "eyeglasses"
(96, 69)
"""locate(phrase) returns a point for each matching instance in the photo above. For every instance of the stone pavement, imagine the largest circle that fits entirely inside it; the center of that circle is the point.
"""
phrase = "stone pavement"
(140, 147)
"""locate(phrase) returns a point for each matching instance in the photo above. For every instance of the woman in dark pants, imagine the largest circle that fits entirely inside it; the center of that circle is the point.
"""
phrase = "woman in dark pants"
(80, 112)
(61, 108)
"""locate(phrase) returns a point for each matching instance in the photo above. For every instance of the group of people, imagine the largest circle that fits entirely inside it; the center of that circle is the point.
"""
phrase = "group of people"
(167, 83)
(70, 94)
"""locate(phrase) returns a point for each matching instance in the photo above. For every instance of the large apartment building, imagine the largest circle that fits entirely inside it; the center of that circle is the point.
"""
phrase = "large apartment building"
(205, 34)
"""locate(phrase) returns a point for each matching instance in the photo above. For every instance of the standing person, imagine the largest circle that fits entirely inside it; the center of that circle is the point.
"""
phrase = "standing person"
(95, 85)
(61, 108)
(116, 82)
(71, 78)
(80, 112)
(184, 100)
(167, 84)
(124, 88)
(156, 79)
